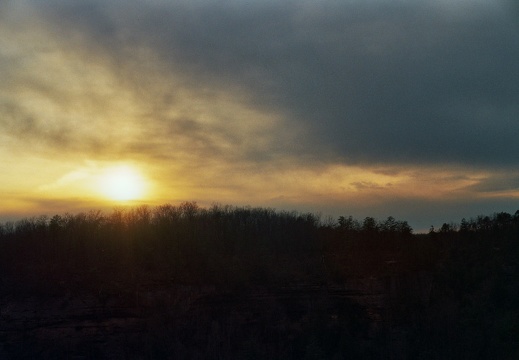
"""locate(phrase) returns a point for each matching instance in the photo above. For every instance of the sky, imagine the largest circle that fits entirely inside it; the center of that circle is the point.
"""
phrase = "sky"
(403, 108)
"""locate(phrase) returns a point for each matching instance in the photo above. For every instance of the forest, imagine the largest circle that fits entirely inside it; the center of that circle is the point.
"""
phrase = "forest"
(225, 282)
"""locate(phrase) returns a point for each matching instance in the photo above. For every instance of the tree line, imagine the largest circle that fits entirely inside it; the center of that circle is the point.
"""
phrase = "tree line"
(451, 293)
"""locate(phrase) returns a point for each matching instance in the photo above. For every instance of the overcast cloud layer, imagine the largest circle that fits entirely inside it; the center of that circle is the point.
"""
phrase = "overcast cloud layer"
(267, 85)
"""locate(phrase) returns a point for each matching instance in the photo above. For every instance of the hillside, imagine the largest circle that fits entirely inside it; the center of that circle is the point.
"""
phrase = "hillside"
(184, 282)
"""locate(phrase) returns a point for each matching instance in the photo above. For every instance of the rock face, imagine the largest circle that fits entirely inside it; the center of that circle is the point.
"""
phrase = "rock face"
(356, 319)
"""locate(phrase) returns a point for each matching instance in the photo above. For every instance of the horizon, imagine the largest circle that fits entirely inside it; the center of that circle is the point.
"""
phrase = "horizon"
(322, 219)
(375, 108)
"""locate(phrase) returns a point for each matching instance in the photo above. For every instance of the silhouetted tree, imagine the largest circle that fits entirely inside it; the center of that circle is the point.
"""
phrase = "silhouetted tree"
(369, 225)
(348, 224)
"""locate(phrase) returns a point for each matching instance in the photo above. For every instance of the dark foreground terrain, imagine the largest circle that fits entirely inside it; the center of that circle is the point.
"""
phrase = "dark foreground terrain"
(182, 282)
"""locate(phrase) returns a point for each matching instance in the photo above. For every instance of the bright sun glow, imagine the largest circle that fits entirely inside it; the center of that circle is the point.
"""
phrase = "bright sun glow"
(122, 183)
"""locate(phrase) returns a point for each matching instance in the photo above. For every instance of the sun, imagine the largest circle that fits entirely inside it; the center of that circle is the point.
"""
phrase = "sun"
(122, 183)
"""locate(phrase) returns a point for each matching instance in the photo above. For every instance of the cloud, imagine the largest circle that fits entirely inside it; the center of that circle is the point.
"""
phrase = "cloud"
(396, 83)
(366, 102)
(356, 82)
(67, 179)
(500, 183)
(99, 86)
(363, 185)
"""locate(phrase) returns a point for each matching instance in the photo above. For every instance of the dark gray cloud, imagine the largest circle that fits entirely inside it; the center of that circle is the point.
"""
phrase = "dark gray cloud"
(497, 183)
(377, 82)
(372, 82)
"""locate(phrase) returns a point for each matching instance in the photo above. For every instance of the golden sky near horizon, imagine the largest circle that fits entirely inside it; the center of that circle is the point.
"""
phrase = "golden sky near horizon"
(107, 103)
